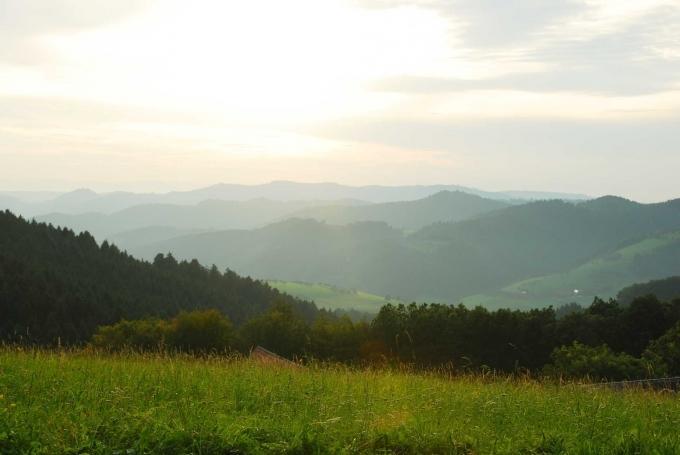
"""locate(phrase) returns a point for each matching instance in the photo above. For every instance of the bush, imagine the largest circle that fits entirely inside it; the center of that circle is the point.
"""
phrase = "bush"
(201, 331)
(664, 352)
(143, 334)
(337, 339)
(196, 331)
(578, 361)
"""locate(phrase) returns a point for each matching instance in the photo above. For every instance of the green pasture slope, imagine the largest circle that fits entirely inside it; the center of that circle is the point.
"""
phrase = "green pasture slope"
(652, 258)
(331, 297)
(55, 403)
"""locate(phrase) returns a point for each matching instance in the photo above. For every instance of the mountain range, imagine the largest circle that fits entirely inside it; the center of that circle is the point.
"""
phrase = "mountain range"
(86, 200)
(445, 261)
(204, 216)
(125, 226)
(436, 243)
(444, 206)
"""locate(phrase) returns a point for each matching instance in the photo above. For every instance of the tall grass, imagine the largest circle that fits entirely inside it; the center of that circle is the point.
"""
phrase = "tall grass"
(84, 402)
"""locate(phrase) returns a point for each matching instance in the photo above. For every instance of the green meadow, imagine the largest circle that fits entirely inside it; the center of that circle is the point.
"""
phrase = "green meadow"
(331, 297)
(84, 402)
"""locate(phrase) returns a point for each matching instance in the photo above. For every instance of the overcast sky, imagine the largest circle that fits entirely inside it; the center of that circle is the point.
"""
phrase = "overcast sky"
(580, 96)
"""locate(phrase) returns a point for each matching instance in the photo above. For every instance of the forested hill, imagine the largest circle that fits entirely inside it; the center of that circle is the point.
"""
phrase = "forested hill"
(54, 283)
(442, 262)
(666, 289)
(445, 206)
(539, 238)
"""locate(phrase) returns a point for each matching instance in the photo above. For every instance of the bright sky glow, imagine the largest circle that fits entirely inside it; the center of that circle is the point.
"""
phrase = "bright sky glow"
(166, 94)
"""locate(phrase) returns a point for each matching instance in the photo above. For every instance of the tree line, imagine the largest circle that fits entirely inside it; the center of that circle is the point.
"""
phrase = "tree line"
(605, 340)
(57, 286)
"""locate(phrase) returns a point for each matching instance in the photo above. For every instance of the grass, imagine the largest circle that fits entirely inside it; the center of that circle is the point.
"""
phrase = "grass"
(604, 277)
(331, 297)
(52, 403)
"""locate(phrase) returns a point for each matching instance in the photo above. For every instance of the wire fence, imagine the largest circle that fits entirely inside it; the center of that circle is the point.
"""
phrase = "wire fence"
(672, 383)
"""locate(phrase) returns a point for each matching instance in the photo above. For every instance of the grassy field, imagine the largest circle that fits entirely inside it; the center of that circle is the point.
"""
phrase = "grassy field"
(603, 277)
(52, 403)
(331, 297)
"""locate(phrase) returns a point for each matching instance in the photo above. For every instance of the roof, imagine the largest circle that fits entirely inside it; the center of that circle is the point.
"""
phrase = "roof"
(265, 355)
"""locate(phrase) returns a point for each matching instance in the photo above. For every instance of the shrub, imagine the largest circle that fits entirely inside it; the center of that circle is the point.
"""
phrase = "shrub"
(144, 334)
(337, 339)
(196, 331)
(201, 331)
(664, 352)
(578, 360)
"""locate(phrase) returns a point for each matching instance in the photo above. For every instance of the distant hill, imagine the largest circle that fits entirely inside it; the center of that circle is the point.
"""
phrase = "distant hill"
(540, 238)
(653, 257)
(31, 196)
(665, 289)
(87, 201)
(136, 238)
(371, 256)
(55, 284)
(442, 262)
(285, 190)
(132, 227)
(204, 216)
(303, 250)
(8, 202)
(297, 191)
(445, 206)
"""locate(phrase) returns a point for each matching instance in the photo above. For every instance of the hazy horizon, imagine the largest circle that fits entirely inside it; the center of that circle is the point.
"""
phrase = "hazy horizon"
(163, 188)
(156, 95)
(160, 188)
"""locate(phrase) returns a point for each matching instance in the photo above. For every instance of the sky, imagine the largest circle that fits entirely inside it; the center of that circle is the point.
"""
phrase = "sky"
(154, 95)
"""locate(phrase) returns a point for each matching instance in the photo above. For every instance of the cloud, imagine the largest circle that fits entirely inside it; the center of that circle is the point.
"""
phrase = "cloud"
(23, 22)
(48, 112)
(493, 23)
(623, 78)
(511, 137)
(34, 17)
(639, 56)
(502, 23)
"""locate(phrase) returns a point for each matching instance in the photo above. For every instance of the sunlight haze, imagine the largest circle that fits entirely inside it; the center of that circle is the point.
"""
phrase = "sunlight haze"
(155, 95)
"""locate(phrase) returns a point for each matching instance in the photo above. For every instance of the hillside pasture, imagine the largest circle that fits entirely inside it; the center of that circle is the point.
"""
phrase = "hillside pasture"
(332, 297)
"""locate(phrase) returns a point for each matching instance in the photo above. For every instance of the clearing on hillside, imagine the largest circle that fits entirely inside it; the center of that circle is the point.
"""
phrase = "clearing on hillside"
(333, 298)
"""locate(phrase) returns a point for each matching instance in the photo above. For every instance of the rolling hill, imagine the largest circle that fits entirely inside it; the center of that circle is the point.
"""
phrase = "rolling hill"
(441, 262)
(445, 206)
(301, 250)
(132, 227)
(136, 238)
(204, 216)
(665, 289)
(604, 276)
(87, 201)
